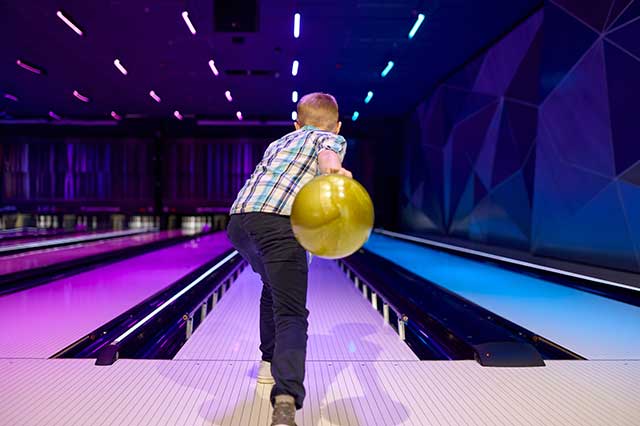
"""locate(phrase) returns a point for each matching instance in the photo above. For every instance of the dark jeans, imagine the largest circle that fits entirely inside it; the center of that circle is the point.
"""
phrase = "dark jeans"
(267, 242)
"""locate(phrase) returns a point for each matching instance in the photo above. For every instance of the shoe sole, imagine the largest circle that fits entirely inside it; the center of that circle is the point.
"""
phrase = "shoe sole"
(266, 381)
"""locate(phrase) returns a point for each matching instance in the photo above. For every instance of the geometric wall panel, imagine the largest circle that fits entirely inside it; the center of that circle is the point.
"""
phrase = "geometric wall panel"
(623, 12)
(568, 39)
(623, 93)
(535, 144)
(579, 99)
(593, 13)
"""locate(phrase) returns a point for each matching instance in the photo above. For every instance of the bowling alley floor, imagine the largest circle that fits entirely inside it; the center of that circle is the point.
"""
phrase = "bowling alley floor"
(358, 373)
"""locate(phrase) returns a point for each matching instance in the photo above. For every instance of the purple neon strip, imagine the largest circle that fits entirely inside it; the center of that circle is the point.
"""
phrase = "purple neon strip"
(54, 115)
(28, 67)
(154, 96)
(11, 97)
(80, 96)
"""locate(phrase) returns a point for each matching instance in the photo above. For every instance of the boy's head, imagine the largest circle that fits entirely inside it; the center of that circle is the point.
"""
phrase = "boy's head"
(319, 110)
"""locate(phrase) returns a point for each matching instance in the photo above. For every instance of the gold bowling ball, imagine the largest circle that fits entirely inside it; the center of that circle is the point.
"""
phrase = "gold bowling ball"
(332, 216)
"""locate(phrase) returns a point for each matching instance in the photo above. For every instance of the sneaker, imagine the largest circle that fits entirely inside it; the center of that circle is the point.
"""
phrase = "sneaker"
(264, 373)
(284, 412)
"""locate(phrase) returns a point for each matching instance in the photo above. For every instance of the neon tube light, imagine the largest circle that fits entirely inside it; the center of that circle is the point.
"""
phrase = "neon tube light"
(69, 23)
(185, 16)
(386, 70)
(296, 25)
(79, 96)
(416, 26)
(28, 67)
(154, 96)
(368, 98)
(118, 65)
(212, 65)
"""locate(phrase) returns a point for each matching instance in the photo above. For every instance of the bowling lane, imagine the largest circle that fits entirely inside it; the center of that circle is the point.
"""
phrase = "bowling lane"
(342, 324)
(81, 237)
(592, 326)
(38, 322)
(48, 256)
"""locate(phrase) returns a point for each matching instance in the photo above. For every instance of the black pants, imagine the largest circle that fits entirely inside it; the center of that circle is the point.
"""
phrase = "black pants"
(267, 242)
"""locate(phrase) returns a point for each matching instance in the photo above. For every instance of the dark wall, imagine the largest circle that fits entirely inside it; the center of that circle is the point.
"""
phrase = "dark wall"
(40, 170)
(159, 168)
(534, 144)
(155, 168)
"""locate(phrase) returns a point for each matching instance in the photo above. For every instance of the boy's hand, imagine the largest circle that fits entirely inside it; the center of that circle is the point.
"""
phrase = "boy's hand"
(341, 171)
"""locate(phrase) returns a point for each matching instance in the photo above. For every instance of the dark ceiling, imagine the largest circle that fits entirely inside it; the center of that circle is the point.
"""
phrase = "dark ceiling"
(343, 47)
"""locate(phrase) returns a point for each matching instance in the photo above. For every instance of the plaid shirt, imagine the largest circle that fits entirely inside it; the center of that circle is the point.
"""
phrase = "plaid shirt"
(287, 164)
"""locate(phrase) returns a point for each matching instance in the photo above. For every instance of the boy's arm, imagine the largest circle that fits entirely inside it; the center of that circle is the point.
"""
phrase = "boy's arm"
(329, 162)
(331, 150)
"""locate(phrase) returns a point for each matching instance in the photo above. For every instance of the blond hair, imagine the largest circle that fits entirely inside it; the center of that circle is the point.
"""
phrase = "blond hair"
(319, 110)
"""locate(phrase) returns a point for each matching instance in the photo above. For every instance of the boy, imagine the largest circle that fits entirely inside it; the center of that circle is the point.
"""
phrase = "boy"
(260, 230)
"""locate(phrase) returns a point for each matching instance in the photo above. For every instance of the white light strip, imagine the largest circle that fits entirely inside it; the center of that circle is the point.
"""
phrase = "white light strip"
(505, 259)
(212, 65)
(118, 65)
(294, 96)
(177, 114)
(69, 23)
(239, 115)
(294, 68)
(185, 16)
(294, 115)
(296, 25)
(38, 245)
(154, 96)
(227, 94)
(175, 297)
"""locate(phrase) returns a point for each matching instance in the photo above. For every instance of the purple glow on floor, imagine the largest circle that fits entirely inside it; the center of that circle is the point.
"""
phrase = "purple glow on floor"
(40, 321)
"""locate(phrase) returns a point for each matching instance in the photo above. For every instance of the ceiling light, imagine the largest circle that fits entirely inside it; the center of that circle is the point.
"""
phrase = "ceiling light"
(11, 97)
(227, 94)
(294, 96)
(69, 23)
(79, 96)
(416, 26)
(116, 116)
(212, 65)
(54, 115)
(296, 25)
(355, 116)
(368, 98)
(177, 114)
(28, 67)
(386, 70)
(294, 68)
(239, 115)
(294, 115)
(118, 65)
(185, 16)
(154, 96)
